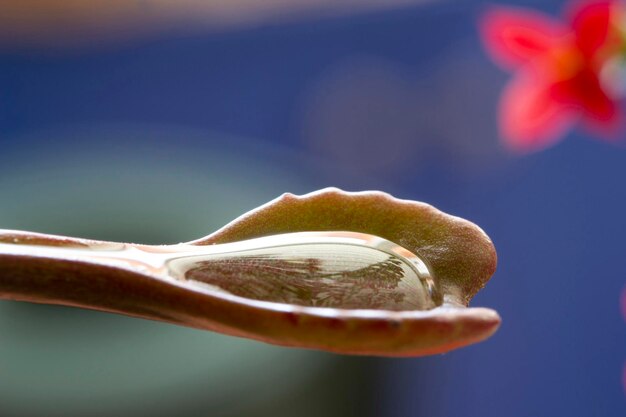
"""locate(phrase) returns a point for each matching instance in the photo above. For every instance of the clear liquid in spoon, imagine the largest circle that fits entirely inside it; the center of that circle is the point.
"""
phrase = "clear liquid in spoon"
(317, 269)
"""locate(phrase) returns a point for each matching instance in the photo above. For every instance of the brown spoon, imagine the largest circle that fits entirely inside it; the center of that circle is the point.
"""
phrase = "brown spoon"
(359, 273)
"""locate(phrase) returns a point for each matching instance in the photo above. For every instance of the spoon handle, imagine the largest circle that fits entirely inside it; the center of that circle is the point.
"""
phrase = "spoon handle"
(19, 237)
(76, 272)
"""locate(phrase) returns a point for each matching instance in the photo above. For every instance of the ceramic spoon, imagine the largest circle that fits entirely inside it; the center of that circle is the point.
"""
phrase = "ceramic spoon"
(359, 273)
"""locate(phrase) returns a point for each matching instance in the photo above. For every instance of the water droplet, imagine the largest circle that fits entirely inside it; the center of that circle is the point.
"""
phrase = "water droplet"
(337, 270)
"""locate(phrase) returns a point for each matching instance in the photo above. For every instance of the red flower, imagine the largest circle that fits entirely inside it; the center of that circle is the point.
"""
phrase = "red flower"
(558, 71)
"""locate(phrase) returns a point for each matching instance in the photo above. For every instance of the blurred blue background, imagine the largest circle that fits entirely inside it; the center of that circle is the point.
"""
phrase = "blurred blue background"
(165, 137)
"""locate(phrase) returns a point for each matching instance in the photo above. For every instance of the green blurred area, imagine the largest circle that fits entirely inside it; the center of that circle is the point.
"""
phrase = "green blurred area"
(150, 186)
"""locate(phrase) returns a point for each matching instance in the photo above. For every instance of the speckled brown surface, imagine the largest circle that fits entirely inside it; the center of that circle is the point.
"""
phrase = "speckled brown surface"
(459, 253)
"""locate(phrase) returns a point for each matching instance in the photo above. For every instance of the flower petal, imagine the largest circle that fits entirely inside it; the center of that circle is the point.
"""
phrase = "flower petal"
(513, 36)
(599, 110)
(591, 22)
(611, 130)
(531, 118)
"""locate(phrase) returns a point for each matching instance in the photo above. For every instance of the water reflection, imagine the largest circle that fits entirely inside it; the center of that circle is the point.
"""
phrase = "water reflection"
(328, 275)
